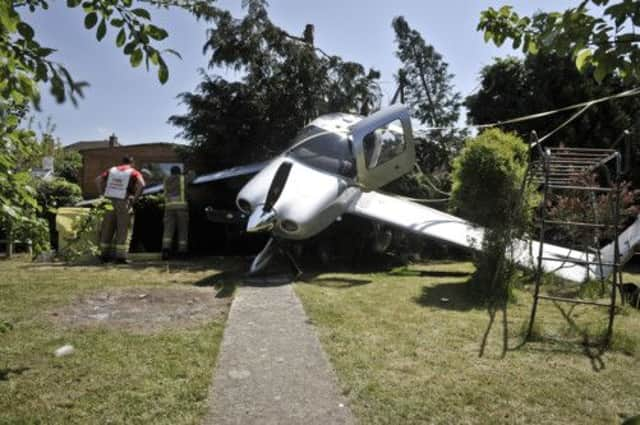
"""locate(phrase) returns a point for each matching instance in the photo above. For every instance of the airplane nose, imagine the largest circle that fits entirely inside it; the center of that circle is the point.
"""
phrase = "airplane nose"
(261, 220)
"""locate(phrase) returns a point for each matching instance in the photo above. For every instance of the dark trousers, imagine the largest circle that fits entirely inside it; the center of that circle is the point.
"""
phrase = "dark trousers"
(118, 223)
(176, 219)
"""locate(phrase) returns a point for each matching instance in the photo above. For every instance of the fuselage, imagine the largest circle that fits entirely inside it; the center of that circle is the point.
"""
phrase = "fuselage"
(320, 185)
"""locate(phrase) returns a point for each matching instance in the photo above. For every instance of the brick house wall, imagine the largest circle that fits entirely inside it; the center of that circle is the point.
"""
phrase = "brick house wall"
(95, 161)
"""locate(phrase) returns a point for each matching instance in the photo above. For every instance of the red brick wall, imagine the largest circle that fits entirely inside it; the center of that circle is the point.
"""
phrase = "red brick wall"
(95, 161)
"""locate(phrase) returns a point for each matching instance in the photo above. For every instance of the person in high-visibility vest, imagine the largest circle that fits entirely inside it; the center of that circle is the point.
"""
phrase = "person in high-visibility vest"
(122, 185)
(176, 213)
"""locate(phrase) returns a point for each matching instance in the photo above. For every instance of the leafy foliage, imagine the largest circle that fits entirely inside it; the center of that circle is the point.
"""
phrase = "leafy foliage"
(604, 39)
(487, 178)
(67, 164)
(586, 207)
(488, 189)
(18, 204)
(513, 87)
(286, 82)
(56, 193)
(27, 63)
(426, 85)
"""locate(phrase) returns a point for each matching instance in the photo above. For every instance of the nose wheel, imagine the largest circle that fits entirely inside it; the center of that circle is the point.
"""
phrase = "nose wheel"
(265, 258)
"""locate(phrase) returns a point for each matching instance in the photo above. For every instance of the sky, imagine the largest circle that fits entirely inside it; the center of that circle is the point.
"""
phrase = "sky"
(132, 103)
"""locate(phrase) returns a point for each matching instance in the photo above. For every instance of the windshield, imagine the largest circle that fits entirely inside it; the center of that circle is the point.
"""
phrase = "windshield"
(324, 150)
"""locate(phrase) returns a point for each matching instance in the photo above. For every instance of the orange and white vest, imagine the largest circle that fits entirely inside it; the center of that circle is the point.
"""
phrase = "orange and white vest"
(118, 183)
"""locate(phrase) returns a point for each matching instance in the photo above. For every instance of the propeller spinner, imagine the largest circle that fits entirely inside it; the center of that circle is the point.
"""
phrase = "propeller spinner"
(263, 219)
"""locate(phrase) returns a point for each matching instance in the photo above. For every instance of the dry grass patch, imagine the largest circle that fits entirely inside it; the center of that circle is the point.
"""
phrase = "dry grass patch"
(133, 367)
(143, 310)
(407, 349)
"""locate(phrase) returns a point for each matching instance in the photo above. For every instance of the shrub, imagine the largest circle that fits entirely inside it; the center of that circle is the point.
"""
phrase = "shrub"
(55, 193)
(488, 178)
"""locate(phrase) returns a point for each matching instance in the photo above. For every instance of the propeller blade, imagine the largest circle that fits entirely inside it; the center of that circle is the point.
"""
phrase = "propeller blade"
(263, 258)
(277, 185)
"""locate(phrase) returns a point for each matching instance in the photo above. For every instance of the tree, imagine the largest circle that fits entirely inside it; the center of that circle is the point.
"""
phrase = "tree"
(426, 85)
(513, 87)
(488, 190)
(286, 82)
(604, 38)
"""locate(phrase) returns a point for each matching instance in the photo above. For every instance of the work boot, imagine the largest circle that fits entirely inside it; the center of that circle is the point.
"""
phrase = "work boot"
(122, 261)
(165, 254)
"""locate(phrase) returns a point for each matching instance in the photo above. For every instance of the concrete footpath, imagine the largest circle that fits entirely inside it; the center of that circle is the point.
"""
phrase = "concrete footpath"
(271, 368)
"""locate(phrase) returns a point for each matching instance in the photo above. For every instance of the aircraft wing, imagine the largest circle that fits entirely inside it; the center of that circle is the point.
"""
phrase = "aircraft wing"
(230, 172)
(448, 228)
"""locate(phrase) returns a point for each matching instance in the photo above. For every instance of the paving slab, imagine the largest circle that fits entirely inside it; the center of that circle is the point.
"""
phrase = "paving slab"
(271, 368)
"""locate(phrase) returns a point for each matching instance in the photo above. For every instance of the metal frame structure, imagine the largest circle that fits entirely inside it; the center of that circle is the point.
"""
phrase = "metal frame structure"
(561, 169)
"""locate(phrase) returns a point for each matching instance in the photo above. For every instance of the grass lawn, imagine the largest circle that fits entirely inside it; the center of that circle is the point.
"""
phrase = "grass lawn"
(115, 376)
(407, 350)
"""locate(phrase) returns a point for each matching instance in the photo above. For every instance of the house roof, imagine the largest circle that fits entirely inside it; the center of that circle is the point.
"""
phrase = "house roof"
(85, 145)
(123, 149)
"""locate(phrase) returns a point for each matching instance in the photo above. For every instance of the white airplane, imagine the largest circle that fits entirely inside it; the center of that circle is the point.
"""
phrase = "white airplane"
(334, 166)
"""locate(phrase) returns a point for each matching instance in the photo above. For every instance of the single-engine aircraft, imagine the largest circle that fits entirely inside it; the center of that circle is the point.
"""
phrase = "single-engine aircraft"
(334, 166)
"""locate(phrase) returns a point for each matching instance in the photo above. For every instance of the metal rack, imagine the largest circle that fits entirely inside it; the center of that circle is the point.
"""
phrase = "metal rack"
(568, 169)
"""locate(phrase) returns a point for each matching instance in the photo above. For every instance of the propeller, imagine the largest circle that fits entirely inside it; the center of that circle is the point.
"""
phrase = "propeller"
(263, 220)
(277, 185)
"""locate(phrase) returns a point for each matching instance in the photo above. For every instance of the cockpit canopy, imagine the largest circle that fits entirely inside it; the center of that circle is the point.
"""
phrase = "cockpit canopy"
(324, 150)
(325, 145)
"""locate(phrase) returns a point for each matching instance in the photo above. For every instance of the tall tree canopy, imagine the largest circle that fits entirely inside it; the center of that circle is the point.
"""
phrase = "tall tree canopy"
(514, 87)
(426, 85)
(286, 82)
(599, 34)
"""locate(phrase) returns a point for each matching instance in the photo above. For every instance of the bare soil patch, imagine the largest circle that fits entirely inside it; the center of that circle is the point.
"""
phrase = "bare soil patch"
(144, 310)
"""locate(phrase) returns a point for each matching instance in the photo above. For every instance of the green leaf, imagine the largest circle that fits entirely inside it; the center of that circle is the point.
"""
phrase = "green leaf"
(143, 13)
(118, 23)
(9, 18)
(90, 20)
(163, 73)
(153, 56)
(43, 52)
(25, 31)
(136, 58)
(488, 35)
(102, 30)
(601, 72)
(532, 47)
(120, 39)
(173, 52)
(156, 33)
(12, 121)
(73, 3)
(41, 72)
(582, 58)
(11, 212)
(128, 49)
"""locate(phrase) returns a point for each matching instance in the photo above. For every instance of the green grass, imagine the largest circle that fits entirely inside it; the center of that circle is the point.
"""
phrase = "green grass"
(406, 347)
(114, 377)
